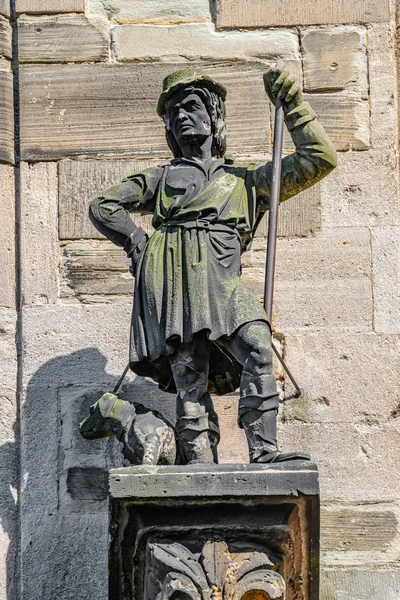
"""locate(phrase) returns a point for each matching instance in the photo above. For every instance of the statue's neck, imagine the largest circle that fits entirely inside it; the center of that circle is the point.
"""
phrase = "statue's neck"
(195, 149)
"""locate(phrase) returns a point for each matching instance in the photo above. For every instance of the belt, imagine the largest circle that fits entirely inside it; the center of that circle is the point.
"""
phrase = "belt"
(199, 224)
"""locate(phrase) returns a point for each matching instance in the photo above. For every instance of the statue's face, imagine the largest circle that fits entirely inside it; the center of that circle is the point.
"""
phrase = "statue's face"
(187, 117)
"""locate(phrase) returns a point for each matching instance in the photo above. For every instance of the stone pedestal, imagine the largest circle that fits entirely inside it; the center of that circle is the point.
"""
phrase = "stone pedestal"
(215, 532)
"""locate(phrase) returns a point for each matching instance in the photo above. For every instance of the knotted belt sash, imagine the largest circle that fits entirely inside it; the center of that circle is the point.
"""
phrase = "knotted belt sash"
(199, 224)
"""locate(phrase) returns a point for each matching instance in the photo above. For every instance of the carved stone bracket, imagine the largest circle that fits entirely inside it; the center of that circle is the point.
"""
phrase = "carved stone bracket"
(215, 532)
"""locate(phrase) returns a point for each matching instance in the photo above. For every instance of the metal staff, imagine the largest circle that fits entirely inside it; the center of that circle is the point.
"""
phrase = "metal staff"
(273, 227)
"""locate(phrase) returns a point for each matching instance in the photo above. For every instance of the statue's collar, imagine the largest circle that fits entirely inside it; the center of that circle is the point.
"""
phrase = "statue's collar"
(208, 166)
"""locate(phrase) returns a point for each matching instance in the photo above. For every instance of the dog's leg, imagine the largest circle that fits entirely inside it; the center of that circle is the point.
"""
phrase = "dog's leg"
(152, 449)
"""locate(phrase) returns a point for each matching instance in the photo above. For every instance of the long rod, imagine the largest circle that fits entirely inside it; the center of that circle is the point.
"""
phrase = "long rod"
(273, 209)
(273, 226)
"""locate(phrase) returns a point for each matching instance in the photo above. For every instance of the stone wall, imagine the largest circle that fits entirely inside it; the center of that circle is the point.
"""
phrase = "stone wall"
(87, 77)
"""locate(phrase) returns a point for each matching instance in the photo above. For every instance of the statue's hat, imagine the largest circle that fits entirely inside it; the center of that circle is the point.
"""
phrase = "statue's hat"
(184, 78)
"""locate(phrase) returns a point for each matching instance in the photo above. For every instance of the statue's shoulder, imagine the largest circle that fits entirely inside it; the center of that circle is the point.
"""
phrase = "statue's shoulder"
(237, 167)
(150, 173)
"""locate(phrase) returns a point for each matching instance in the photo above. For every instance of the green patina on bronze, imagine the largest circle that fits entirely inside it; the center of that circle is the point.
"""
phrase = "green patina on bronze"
(195, 323)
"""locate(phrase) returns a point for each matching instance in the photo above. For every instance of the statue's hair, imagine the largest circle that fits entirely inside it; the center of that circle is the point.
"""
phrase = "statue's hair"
(216, 109)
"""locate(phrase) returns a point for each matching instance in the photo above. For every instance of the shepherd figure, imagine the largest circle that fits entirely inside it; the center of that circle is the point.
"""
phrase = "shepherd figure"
(196, 328)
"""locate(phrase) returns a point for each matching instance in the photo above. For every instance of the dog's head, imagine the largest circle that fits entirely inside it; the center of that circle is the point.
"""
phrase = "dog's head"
(108, 416)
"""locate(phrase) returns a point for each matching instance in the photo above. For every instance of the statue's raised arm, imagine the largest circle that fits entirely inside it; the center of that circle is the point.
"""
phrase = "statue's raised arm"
(315, 155)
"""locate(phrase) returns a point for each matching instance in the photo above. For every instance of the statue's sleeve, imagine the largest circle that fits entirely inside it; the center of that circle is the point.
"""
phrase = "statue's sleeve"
(314, 158)
(110, 212)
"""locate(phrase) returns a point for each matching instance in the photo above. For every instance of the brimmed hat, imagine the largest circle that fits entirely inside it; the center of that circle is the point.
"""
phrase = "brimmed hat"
(183, 78)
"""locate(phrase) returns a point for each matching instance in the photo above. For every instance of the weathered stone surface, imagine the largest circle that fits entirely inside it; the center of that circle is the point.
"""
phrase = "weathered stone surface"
(386, 274)
(76, 344)
(64, 38)
(160, 12)
(8, 355)
(258, 13)
(74, 550)
(50, 6)
(357, 529)
(352, 585)
(80, 182)
(142, 42)
(5, 38)
(95, 267)
(6, 117)
(110, 110)
(149, 481)
(362, 458)
(361, 191)
(346, 379)
(335, 59)
(7, 238)
(321, 283)
(84, 467)
(299, 217)
(5, 8)
(345, 117)
(39, 240)
(382, 82)
(39, 447)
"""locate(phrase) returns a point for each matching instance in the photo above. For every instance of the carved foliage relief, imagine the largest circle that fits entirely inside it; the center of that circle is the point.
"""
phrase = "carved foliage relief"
(211, 572)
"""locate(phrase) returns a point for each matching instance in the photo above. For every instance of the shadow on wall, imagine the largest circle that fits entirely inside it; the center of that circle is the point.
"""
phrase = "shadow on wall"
(8, 518)
(64, 511)
(64, 518)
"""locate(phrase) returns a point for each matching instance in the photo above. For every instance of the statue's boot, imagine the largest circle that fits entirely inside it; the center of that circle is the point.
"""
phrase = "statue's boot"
(198, 438)
(258, 412)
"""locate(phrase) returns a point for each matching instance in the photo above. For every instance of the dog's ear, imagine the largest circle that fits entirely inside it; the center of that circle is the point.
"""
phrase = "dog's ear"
(106, 404)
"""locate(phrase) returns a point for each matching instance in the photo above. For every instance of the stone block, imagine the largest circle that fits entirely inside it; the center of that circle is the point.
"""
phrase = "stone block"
(5, 8)
(109, 110)
(345, 116)
(80, 182)
(355, 461)
(300, 217)
(73, 549)
(258, 13)
(76, 344)
(39, 239)
(159, 12)
(8, 353)
(321, 283)
(386, 278)
(143, 42)
(335, 59)
(382, 82)
(39, 448)
(5, 38)
(345, 584)
(346, 378)
(7, 238)
(232, 448)
(62, 38)
(361, 191)
(95, 267)
(6, 117)
(50, 6)
(347, 530)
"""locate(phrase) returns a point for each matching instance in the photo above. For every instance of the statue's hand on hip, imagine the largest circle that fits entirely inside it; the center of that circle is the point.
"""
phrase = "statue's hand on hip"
(280, 83)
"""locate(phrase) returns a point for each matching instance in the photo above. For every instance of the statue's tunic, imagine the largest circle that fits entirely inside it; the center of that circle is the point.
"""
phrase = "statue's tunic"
(188, 276)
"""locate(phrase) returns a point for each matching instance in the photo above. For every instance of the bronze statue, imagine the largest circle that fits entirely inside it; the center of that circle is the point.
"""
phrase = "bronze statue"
(196, 328)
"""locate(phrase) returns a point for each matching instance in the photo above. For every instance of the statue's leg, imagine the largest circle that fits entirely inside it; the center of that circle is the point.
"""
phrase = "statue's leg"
(197, 423)
(259, 399)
